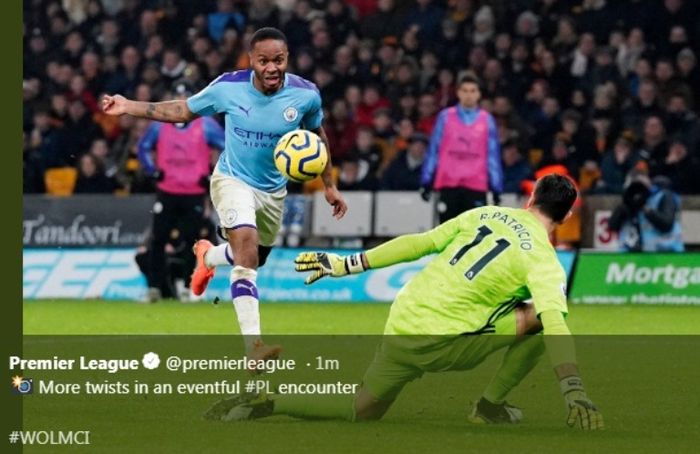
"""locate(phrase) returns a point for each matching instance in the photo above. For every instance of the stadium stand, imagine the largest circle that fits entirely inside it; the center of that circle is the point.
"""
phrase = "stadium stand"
(565, 80)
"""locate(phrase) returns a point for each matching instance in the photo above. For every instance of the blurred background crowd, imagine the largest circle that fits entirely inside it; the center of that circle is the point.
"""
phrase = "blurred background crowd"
(599, 87)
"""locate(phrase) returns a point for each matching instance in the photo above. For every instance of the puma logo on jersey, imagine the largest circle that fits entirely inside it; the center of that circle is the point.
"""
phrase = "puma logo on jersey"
(247, 111)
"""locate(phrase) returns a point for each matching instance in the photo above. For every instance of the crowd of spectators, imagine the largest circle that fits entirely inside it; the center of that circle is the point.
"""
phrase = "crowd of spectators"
(600, 87)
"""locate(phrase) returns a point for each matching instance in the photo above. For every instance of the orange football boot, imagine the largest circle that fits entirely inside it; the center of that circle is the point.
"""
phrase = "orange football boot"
(202, 274)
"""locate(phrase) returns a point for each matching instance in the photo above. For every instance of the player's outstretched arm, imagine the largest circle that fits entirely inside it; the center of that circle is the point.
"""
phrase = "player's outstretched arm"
(175, 111)
(405, 248)
(582, 413)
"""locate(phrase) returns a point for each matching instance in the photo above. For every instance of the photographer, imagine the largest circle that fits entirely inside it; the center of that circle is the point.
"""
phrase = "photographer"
(648, 219)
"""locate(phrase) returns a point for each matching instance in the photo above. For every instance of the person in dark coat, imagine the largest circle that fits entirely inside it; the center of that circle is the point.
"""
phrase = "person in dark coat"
(403, 174)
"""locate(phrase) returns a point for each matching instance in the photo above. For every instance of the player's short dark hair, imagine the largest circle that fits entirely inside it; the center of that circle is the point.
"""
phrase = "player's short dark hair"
(554, 196)
(266, 33)
(470, 79)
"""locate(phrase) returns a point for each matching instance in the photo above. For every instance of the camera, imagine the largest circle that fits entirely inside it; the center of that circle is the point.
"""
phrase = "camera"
(23, 386)
(635, 196)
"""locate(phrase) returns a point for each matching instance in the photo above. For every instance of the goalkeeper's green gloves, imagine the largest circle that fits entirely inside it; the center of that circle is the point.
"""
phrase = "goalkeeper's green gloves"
(582, 412)
(325, 264)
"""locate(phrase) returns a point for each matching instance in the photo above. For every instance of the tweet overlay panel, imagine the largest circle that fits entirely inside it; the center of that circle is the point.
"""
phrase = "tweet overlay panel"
(177, 393)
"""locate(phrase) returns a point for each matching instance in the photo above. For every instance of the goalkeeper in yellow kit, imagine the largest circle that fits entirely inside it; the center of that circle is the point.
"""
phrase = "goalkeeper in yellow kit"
(449, 315)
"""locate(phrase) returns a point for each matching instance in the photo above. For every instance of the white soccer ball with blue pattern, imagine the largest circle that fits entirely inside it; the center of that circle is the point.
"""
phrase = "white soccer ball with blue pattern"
(301, 155)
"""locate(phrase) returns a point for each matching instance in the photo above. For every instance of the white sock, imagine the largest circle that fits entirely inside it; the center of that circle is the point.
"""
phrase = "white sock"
(245, 299)
(219, 255)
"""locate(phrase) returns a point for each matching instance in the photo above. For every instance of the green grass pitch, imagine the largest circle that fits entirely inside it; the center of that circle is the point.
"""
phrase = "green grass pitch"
(647, 396)
(171, 317)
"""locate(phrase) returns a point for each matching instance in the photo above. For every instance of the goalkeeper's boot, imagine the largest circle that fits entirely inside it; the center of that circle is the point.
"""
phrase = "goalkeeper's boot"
(486, 412)
(202, 274)
(261, 352)
(240, 408)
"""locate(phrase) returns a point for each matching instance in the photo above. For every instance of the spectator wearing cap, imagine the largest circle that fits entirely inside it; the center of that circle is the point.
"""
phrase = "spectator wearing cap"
(615, 166)
(403, 173)
(515, 168)
(464, 157)
(181, 170)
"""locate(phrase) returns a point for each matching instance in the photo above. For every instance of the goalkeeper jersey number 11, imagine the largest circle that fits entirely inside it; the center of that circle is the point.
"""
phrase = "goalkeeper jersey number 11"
(488, 260)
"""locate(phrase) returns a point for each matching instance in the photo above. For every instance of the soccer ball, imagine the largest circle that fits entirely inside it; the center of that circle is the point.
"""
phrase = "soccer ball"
(300, 155)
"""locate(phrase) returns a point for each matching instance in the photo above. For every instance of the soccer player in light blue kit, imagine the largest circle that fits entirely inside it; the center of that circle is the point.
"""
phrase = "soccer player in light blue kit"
(260, 105)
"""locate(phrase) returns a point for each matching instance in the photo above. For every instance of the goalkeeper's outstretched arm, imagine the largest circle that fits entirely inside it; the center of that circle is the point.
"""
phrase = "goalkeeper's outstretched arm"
(560, 347)
(405, 248)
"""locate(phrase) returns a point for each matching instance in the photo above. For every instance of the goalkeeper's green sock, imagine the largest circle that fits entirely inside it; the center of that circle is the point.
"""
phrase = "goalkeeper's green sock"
(318, 407)
(519, 360)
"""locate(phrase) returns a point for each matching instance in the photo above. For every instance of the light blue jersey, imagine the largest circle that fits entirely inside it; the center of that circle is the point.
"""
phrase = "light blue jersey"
(255, 121)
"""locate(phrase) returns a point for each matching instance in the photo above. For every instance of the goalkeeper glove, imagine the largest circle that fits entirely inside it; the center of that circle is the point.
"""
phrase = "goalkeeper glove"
(582, 412)
(324, 264)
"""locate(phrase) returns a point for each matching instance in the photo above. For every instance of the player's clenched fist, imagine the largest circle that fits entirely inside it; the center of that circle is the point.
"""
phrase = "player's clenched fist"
(114, 105)
(325, 264)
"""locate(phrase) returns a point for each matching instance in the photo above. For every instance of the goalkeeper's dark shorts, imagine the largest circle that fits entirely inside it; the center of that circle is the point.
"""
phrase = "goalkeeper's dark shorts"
(401, 359)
